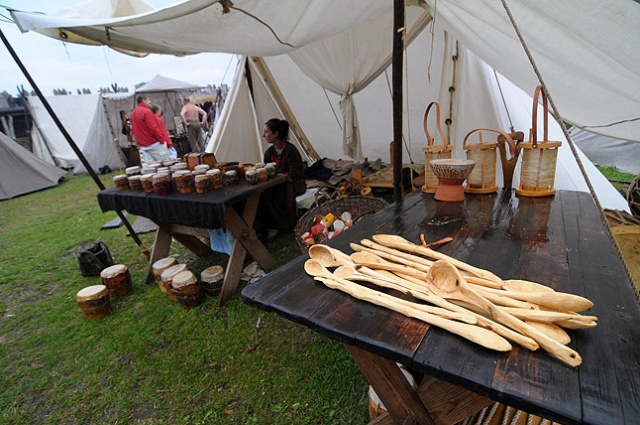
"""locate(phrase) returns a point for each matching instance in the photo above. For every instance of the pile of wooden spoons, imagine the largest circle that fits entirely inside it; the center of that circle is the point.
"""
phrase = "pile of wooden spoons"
(453, 295)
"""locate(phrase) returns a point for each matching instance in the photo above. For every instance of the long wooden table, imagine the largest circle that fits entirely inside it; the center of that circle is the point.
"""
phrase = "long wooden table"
(558, 240)
(187, 218)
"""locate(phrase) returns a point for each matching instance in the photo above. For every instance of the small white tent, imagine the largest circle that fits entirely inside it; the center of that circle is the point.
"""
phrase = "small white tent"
(22, 172)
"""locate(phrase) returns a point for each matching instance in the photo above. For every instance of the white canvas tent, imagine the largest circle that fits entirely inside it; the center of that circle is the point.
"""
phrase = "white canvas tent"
(75, 112)
(578, 46)
(21, 172)
(105, 138)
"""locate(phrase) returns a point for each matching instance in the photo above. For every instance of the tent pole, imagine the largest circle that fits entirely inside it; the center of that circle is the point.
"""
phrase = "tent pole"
(73, 145)
(396, 81)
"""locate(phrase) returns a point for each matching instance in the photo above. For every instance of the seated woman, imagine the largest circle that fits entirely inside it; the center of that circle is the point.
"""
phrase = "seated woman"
(278, 205)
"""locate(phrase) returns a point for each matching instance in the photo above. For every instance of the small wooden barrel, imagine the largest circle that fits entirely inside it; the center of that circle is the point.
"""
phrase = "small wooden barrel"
(208, 158)
(134, 182)
(147, 182)
(192, 159)
(263, 175)
(161, 265)
(202, 183)
(133, 171)
(117, 279)
(94, 301)
(166, 278)
(186, 289)
(202, 167)
(433, 151)
(162, 184)
(184, 181)
(215, 178)
(121, 182)
(211, 280)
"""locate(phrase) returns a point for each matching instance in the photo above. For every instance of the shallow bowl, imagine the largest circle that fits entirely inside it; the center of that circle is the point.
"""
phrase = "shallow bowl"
(452, 168)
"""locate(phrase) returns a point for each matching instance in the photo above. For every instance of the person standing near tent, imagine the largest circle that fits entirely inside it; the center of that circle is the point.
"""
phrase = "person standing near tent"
(146, 132)
(157, 110)
(278, 209)
(190, 115)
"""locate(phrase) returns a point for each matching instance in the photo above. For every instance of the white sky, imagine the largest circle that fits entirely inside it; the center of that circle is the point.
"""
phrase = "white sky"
(55, 65)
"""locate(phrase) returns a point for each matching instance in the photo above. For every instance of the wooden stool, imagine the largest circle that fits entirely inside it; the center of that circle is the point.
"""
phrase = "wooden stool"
(94, 301)
(117, 279)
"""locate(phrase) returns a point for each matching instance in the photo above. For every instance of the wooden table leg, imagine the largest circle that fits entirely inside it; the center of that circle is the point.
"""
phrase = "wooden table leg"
(160, 249)
(395, 392)
(246, 241)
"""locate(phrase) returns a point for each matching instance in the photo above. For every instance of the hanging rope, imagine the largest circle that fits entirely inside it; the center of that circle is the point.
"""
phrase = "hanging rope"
(504, 102)
(558, 119)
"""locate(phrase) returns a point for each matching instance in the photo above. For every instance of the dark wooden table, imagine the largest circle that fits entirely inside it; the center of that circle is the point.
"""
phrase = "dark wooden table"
(187, 218)
(558, 240)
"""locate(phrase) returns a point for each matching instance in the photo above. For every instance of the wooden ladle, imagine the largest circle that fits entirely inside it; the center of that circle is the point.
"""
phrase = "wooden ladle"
(417, 289)
(445, 280)
(473, 333)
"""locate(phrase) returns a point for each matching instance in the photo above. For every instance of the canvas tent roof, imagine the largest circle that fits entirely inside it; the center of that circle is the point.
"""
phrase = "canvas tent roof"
(576, 45)
(21, 172)
(160, 83)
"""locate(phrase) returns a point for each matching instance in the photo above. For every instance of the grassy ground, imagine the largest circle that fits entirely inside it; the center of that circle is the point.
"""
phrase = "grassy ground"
(150, 361)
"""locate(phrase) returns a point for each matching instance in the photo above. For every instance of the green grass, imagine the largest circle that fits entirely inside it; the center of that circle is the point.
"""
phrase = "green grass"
(619, 179)
(150, 361)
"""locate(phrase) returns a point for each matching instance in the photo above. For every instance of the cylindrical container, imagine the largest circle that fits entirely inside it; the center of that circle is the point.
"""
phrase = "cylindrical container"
(162, 184)
(147, 170)
(160, 266)
(202, 183)
(117, 279)
(215, 178)
(184, 181)
(94, 301)
(329, 219)
(259, 165)
(271, 169)
(263, 176)
(186, 289)
(202, 167)
(163, 169)
(147, 182)
(167, 276)
(155, 165)
(121, 182)
(231, 176)
(134, 182)
(132, 171)
(179, 166)
(251, 175)
(211, 280)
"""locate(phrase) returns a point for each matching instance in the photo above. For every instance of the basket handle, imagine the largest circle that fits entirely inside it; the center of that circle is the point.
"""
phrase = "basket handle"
(534, 123)
(426, 129)
(507, 137)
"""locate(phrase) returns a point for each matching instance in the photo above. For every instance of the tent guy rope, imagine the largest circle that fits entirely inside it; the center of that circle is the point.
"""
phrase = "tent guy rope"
(75, 148)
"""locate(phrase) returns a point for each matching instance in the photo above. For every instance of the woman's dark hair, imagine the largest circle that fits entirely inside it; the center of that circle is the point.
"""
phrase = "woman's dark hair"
(279, 126)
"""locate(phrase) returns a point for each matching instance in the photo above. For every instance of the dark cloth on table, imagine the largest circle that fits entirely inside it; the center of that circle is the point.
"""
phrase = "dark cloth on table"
(206, 210)
(278, 205)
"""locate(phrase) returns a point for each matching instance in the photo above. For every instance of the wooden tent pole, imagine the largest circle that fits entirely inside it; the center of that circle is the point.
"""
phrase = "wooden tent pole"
(396, 81)
(73, 145)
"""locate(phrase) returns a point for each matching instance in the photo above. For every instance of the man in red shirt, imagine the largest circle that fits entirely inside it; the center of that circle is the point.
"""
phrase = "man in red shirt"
(147, 134)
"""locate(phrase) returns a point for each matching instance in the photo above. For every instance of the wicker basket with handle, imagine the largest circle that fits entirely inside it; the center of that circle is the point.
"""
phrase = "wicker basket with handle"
(539, 159)
(482, 179)
(433, 151)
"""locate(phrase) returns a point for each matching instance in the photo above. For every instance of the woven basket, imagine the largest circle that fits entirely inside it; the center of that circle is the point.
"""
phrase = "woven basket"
(359, 206)
(433, 151)
(482, 179)
(539, 159)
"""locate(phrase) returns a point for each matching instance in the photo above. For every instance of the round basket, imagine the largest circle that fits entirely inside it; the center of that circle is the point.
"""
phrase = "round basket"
(359, 207)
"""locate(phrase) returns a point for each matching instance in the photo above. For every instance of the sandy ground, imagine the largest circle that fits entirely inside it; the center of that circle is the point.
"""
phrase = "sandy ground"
(630, 247)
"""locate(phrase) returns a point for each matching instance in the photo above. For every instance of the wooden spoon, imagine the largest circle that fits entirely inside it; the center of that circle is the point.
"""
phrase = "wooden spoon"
(417, 286)
(350, 273)
(560, 301)
(329, 257)
(473, 333)
(446, 281)
(395, 241)
(373, 261)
